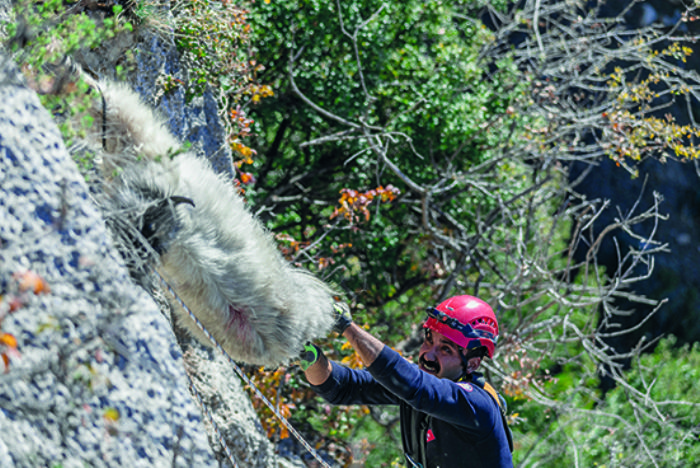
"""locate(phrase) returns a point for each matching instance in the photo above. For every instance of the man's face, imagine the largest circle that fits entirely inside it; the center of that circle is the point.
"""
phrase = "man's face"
(440, 356)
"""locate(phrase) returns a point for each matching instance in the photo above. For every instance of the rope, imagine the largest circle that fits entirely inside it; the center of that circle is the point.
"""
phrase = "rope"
(243, 377)
(210, 416)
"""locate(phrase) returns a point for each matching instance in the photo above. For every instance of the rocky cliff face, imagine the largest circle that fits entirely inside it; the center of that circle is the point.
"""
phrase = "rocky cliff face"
(97, 377)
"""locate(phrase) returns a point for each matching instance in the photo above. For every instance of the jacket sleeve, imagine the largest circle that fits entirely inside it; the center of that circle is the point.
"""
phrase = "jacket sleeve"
(353, 387)
(462, 404)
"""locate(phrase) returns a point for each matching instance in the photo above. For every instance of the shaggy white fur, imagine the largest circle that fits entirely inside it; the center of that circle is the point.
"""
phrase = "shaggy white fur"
(215, 254)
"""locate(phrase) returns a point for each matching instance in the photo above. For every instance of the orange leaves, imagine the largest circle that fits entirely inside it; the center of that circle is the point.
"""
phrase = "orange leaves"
(214, 37)
(352, 361)
(290, 246)
(14, 303)
(8, 346)
(8, 343)
(246, 178)
(271, 384)
(259, 92)
(30, 281)
(243, 124)
(516, 384)
(325, 262)
(25, 283)
(5, 361)
(354, 205)
(8, 340)
(241, 121)
(336, 249)
(243, 151)
(525, 371)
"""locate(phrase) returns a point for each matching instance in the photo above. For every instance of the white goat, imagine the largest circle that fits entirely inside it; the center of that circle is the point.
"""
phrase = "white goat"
(215, 254)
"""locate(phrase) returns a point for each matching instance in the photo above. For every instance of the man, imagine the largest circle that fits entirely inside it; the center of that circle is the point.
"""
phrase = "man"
(449, 416)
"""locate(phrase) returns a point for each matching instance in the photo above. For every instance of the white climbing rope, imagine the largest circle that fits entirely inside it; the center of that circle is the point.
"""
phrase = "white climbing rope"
(210, 416)
(245, 379)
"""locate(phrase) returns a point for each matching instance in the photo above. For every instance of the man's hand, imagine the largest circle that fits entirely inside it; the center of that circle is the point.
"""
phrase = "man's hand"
(309, 356)
(343, 317)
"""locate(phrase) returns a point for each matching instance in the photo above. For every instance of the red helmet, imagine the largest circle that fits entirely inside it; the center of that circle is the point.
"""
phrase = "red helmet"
(466, 320)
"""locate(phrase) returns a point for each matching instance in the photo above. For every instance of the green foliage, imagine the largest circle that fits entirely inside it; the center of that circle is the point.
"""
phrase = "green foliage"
(214, 39)
(656, 412)
(424, 86)
(414, 71)
(41, 36)
(54, 30)
(413, 74)
(667, 377)
(414, 77)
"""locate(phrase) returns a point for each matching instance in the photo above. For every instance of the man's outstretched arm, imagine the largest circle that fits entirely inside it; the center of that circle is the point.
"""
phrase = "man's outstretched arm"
(366, 345)
(341, 385)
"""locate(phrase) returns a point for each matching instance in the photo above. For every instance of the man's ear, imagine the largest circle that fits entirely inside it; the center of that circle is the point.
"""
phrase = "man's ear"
(473, 364)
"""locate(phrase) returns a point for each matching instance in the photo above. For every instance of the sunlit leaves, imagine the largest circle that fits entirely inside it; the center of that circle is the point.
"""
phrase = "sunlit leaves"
(41, 36)
(30, 281)
(46, 32)
(111, 414)
(8, 345)
(635, 130)
(659, 395)
(272, 383)
(354, 205)
(53, 32)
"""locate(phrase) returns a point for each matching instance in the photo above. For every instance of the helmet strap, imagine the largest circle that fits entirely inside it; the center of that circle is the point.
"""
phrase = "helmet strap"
(466, 356)
(465, 363)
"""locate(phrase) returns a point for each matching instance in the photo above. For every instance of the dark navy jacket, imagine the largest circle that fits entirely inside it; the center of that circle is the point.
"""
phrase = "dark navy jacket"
(443, 424)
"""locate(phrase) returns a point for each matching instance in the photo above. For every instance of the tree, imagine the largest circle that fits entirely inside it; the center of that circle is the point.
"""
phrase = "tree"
(479, 133)
(410, 153)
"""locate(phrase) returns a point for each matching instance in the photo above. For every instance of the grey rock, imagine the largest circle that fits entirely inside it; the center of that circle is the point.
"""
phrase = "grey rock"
(99, 379)
(234, 416)
(196, 121)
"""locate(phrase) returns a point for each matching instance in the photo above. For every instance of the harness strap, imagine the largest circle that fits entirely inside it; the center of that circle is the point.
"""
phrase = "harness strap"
(494, 394)
(492, 391)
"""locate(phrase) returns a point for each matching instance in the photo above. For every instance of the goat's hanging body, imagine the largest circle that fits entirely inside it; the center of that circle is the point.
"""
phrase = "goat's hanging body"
(215, 254)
